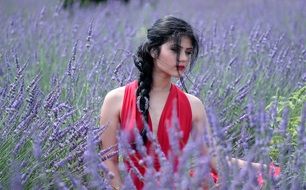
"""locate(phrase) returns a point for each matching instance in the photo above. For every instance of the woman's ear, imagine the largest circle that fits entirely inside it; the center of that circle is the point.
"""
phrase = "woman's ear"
(153, 53)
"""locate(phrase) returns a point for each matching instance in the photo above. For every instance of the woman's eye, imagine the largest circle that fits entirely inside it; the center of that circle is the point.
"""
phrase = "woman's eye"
(176, 50)
(188, 53)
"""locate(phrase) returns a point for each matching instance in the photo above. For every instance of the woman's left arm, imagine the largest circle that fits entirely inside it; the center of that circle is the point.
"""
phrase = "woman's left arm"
(201, 128)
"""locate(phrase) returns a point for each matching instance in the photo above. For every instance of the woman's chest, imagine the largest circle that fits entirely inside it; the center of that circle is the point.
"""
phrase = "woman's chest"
(156, 111)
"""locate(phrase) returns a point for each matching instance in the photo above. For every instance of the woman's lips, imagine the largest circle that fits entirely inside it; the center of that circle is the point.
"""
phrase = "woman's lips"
(181, 67)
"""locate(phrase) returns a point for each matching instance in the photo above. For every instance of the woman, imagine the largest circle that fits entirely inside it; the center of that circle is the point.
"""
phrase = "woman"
(171, 46)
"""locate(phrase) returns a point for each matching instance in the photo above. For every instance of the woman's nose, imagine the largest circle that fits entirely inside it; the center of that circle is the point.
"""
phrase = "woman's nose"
(183, 57)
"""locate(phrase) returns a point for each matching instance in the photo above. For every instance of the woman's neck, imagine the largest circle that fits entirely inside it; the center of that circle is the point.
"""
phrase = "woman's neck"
(161, 82)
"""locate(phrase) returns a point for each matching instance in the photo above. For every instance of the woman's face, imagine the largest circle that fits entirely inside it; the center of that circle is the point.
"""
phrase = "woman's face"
(166, 62)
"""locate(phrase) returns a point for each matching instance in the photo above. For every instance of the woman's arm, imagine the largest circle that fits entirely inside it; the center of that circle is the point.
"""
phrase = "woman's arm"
(110, 114)
(201, 127)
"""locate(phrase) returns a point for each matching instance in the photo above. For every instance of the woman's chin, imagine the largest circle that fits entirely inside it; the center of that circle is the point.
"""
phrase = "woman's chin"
(178, 75)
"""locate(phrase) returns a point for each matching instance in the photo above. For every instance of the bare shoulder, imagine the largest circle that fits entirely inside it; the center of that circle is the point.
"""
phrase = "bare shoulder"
(195, 102)
(115, 94)
(113, 100)
(199, 117)
(193, 99)
(197, 107)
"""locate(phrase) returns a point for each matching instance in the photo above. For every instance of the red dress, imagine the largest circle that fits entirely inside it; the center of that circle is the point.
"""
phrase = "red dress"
(131, 117)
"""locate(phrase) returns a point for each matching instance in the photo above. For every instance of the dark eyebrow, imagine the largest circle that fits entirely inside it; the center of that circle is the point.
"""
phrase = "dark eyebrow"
(178, 46)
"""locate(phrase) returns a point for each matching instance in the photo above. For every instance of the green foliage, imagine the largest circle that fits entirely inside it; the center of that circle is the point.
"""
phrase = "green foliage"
(294, 103)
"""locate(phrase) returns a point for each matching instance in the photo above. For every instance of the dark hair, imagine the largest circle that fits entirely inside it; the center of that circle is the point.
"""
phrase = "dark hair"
(162, 31)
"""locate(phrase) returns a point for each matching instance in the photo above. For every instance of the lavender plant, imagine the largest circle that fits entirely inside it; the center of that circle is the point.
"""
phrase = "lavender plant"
(56, 67)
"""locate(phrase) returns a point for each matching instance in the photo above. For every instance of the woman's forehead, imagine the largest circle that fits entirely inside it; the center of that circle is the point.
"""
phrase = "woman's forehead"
(185, 42)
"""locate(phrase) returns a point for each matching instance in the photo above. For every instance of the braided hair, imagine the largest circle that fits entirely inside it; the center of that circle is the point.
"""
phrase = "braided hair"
(162, 31)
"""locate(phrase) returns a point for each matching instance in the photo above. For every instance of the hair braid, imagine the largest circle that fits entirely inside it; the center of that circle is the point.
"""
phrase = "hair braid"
(145, 80)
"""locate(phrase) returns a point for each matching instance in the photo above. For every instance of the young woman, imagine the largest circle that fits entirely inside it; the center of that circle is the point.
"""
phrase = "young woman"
(170, 48)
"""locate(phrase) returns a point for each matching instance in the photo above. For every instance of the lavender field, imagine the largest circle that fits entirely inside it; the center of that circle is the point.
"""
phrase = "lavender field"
(56, 66)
